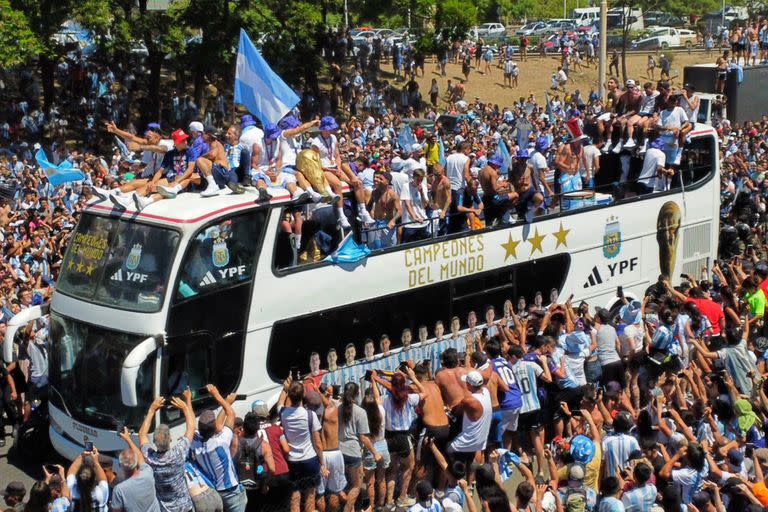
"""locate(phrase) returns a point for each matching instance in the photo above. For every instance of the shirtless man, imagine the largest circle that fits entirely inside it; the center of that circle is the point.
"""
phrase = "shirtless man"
(440, 197)
(529, 199)
(498, 195)
(224, 176)
(386, 208)
(612, 96)
(448, 378)
(627, 106)
(567, 164)
(333, 480)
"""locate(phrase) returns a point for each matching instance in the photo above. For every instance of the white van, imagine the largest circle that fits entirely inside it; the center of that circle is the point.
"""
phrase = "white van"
(585, 16)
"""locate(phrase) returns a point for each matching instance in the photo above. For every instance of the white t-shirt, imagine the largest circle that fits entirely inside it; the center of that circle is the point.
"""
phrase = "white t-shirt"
(454, 169)
(648, 103)
(539, 163)
(327, 148)
(654, 159)
(153, 160)
(587, 163)
(690, 481)
(298, 425)
(414, 194)
(251, 135)
(671, 119)
(289, 148)
(633, 335)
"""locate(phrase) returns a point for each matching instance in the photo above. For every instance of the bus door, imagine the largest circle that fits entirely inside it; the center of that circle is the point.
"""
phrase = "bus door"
(207, 320)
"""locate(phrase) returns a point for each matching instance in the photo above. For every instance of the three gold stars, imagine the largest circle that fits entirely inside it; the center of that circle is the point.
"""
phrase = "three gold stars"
(536, 241)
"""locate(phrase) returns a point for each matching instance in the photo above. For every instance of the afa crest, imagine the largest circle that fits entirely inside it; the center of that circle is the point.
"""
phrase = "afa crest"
(220, 254)
(612, 238)
(134, 257)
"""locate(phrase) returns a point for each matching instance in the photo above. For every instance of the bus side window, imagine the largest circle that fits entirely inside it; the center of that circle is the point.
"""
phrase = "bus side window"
(187, 364)
(221, 255)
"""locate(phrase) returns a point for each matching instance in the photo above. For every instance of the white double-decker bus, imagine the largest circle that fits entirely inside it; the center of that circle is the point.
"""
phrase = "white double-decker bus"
(193, 290)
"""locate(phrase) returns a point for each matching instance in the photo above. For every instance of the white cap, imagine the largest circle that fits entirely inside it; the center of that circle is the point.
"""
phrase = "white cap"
(396, 164)
(416, 147)
(196, 126)
(630, 83)
(473, 378)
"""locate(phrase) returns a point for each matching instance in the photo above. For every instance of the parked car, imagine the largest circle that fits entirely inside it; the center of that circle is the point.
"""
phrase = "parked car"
(385, 32)
(532, 29)
(491, 29)
(665, 37)
(558, 26)
(731, 14)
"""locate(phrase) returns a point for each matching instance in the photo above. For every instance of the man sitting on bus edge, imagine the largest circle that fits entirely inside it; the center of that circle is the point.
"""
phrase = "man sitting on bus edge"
(498, 195)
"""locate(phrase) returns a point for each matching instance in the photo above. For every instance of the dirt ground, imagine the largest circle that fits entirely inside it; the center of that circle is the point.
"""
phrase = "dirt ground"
(535, 74)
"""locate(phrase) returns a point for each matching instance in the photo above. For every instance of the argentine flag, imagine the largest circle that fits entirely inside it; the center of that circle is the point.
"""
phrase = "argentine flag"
(258, 88)
(58, 174)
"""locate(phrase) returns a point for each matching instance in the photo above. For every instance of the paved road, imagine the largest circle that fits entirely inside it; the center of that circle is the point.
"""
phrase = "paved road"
(15, 468)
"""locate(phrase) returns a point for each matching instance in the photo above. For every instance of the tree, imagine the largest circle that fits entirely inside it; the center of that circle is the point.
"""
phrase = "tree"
(455, 16)
(18, 43)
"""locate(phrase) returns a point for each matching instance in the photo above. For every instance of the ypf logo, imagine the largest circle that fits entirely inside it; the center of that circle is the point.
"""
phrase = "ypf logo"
(612, 238)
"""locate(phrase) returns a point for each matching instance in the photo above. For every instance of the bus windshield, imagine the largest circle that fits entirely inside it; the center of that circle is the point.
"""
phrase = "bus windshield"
(84, 371)
(118, 264)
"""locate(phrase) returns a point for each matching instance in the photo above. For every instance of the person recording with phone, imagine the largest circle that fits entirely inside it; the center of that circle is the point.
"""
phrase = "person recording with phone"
(87, 483)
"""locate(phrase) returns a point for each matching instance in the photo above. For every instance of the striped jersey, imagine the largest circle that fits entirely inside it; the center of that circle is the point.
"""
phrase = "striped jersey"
(512, 399)
(213, 458)
(639, 499)
(527, 374)
(428, 506)
(398, 420)
(616, 450)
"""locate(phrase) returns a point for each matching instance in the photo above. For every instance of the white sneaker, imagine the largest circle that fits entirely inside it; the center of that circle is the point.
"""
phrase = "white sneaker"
(344, 222)
(617, 149)
(630, 144)
(211, 190)
(366, 218)
(166, 192)
(644, 147)
(607, 147)
(120, 202)
(140, 202)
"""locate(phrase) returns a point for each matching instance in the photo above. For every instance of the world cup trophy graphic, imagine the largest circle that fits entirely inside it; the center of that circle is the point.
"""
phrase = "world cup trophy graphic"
(667, 236)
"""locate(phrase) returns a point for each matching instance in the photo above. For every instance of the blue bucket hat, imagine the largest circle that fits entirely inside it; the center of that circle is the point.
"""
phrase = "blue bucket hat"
(247, 120)
(631, 313)
(522, 154)
(496, 160)
(582, 449)
(289, 122)
(575, 112)
(328, 124)
(542, 144)
(154, 127)
(271, 131)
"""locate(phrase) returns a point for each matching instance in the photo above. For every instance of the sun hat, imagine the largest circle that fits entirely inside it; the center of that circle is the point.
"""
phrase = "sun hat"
(271, 131)
(196, 126)
(247, 120)
(582, 449)
(496, 160)
(328, 124)
(289, 122)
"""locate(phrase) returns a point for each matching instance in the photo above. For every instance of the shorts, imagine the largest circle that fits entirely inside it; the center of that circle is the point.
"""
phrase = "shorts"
(510, 419)
(398, 442)
(305, 474)
(530, 421)
(604, 117)
(441, 435)
(369, 462)
(288, 169)
(282, 180)
(507, 75)
(352, 462)
(336, 481)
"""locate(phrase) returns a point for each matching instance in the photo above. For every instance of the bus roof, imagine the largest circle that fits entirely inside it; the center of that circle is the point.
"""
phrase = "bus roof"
(190, 207)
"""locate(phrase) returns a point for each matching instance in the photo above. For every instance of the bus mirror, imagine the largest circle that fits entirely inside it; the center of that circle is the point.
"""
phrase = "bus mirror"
(17, 322)
(131, 366)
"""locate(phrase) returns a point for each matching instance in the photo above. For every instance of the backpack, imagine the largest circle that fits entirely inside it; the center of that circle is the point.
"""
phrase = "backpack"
(251, 470)
(575, 500)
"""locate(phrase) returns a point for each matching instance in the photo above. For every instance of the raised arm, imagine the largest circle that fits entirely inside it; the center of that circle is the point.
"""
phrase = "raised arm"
(126, 436)
(189, 415)
(229, 420)
(156, 404)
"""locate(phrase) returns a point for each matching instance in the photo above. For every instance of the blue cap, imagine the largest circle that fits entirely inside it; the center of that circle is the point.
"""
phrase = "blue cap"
(247, 120)
(575, 112)
(271, 131)
(155, 127)
(582, 449)
(496, 160)
(542, 144)
(522, 153)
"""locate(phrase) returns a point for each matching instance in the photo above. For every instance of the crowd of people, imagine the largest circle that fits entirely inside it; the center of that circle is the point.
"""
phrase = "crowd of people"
(660, 405)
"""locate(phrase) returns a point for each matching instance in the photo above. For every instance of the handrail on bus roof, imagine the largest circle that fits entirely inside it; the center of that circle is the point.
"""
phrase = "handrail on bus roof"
(18, 321)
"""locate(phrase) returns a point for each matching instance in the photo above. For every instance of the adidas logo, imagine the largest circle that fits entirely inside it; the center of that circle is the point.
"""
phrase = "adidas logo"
(117, 276)
(208, 279)
(594, 278)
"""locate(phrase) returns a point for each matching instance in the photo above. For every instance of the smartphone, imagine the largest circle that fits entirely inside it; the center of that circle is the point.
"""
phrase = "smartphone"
(576, 414)
(241, 397)
(619, 291)
(119, 427)
(52, 469)
(656, 392)
(88, 446)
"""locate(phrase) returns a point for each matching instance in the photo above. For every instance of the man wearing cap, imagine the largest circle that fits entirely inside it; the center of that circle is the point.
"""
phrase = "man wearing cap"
(13, 495)
(327, 145)
(543, 176)
(152, 145)
(476, 422)
(575, 494)
(498, 195)
(210, 450)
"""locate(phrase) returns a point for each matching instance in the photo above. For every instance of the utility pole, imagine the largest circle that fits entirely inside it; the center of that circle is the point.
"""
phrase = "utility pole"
(346, 14)
(603, 49)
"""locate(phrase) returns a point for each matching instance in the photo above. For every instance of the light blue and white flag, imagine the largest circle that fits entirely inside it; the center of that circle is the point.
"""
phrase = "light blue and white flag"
(441, 153)
(58, 174)
(258, 88)
(406, 139)
(504, 152)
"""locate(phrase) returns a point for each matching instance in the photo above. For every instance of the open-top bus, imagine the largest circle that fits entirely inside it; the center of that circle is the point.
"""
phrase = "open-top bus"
(194, 290)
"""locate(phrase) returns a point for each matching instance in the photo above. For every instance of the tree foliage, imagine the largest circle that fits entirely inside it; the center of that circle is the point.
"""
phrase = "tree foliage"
(18, 43)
